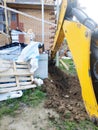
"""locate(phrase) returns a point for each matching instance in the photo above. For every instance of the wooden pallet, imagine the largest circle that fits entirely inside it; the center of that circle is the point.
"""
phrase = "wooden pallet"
(15, 76)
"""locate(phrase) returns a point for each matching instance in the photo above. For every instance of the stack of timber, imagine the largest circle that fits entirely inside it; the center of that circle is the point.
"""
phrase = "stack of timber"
(15, 76)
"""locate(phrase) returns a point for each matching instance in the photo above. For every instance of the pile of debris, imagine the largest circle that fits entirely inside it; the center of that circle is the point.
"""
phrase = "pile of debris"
(64, 95)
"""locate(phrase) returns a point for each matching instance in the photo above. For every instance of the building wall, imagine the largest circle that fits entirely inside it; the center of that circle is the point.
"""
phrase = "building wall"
(36, 25)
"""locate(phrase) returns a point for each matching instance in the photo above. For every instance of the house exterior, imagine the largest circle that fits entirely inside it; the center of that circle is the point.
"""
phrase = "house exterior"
(33, 7)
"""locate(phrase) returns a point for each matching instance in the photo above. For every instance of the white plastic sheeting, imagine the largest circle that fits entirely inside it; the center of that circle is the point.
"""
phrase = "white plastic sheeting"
(30, 53)
(10, 95)
(11, 53)
(38, 81)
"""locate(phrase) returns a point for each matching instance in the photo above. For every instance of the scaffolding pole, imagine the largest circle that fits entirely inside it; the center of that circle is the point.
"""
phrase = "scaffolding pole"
(27, 15)
(43, 22)
(6, 18)
(57, 54)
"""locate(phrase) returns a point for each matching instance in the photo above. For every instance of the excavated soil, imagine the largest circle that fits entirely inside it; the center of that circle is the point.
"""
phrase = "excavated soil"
(64, 95)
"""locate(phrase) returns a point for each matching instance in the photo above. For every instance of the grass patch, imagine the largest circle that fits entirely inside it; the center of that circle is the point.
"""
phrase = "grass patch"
(87, 125)
(72, 125)
(31, 97)
(70, 64)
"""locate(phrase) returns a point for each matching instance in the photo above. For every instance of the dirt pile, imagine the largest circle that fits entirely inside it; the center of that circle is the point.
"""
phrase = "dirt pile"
(64, 95)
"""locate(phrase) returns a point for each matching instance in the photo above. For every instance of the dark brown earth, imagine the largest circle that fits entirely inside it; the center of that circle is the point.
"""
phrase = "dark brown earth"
(64, 95)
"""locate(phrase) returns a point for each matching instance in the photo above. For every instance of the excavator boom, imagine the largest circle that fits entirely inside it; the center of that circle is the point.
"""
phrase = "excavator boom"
(81, 36)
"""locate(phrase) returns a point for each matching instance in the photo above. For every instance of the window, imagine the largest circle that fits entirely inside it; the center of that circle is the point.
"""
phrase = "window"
(13, 16)
(2, 20)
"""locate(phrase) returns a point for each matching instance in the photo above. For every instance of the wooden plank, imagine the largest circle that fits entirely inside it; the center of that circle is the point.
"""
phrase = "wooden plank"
(16, 77)
(14, 74)
(22, 70)
(22, 66)
(25, 83)
(21, 63)
(12, 79)
(6, 85)
(17, 88)
(63, 63)
(6, 79)
(5, 62)
(11, 72)
(5, 66)
(24, 78)
(6, 71)
(32, 78)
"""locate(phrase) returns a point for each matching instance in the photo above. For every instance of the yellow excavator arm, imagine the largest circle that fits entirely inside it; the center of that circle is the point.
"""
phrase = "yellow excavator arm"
(82, 38)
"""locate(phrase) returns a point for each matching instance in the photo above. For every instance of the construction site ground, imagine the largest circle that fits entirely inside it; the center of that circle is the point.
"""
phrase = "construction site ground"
(61, 109)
